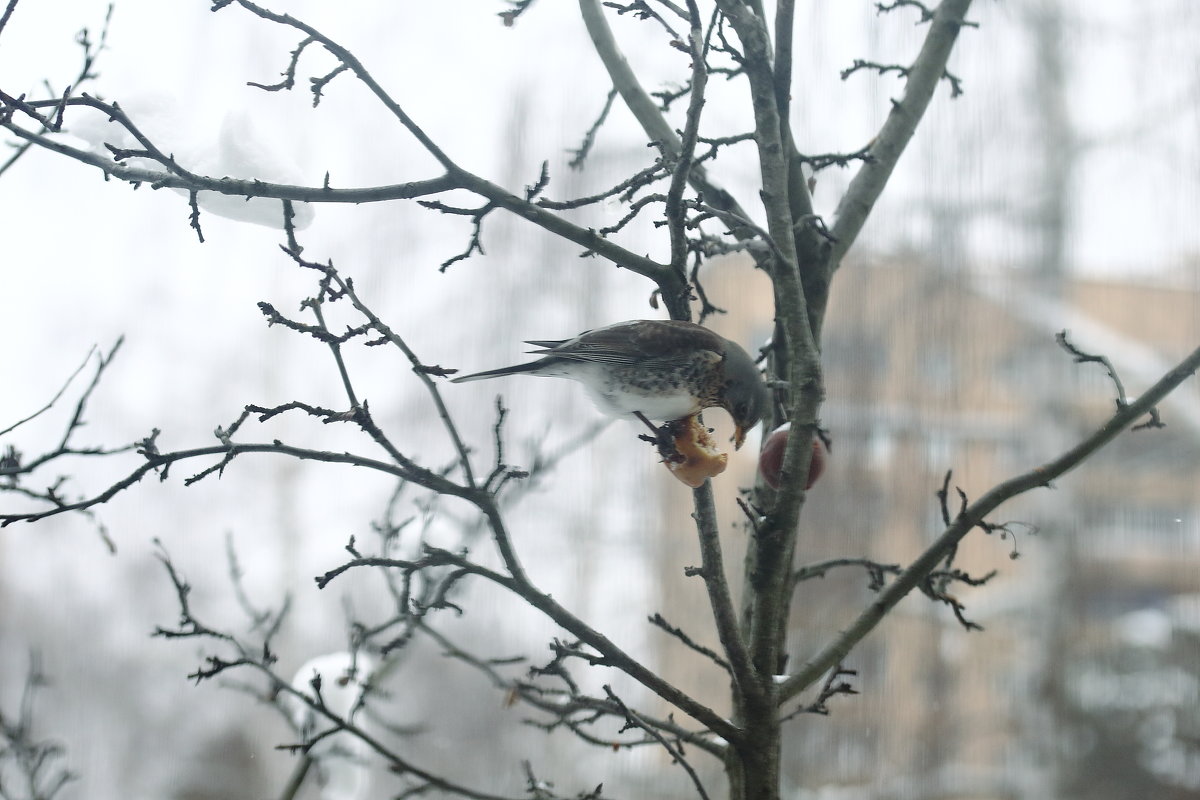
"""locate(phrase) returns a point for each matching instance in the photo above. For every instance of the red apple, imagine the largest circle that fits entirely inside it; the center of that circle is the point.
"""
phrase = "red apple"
(770, 460)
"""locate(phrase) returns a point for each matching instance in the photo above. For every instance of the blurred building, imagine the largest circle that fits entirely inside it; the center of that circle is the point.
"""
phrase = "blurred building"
(1084, 681)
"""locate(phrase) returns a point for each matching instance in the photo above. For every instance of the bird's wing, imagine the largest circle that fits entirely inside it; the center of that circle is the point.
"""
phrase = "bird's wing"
(637, 342)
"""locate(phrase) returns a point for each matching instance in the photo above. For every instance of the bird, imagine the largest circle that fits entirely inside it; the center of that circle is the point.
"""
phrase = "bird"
(661, 370)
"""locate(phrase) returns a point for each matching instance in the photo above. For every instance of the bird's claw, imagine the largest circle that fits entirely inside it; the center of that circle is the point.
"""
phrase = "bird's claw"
(664, 439)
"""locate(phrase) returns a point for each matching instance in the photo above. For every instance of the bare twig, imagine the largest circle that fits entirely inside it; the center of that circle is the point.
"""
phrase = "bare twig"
(876, 571)
(475, 245)
(1154, 421)
(407, 470)
(826, 160)
(922, 79)
(37, 762)
(832, 687)
(926, 13)
(59, 393)
(91, 51)
(634, 720)
(8, 11)
(627, 188)
(658, 621)
(698, 49)
(15, 467)
(580, 154)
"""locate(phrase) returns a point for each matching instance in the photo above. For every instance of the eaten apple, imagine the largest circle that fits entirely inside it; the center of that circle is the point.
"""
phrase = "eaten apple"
(696, 458)
(770, 460)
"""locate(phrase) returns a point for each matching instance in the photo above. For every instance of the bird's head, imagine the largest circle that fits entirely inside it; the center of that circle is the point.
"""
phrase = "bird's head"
(744, 395)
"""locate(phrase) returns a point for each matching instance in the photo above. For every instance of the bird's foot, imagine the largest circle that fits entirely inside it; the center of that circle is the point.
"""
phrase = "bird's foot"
(664, 438)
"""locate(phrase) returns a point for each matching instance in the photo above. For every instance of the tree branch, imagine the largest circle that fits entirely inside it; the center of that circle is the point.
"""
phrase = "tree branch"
(461, 177)
(797, 359)
(261, 659)
(345, 288)
(104, 361)
(91, 51)
(972, 516)
(158, 179)
(717, 584)
(565, 704)
(408, 471)
(643, 107)
(923, 77)
(176, 176)
(799, 199)
(676, 222)
(611, 654)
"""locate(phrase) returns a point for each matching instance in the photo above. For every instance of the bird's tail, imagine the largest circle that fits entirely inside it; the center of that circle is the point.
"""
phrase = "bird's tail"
(546, 344)
(516, 369)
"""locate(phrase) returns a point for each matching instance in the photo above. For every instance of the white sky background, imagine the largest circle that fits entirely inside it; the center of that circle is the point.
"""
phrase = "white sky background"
(86, 261)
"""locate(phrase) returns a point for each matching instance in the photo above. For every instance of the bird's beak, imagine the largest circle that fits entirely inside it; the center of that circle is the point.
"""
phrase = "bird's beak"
(739, 436)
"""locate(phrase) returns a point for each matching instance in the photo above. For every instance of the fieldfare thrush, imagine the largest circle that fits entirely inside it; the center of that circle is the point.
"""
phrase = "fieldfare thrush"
(656, 369)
